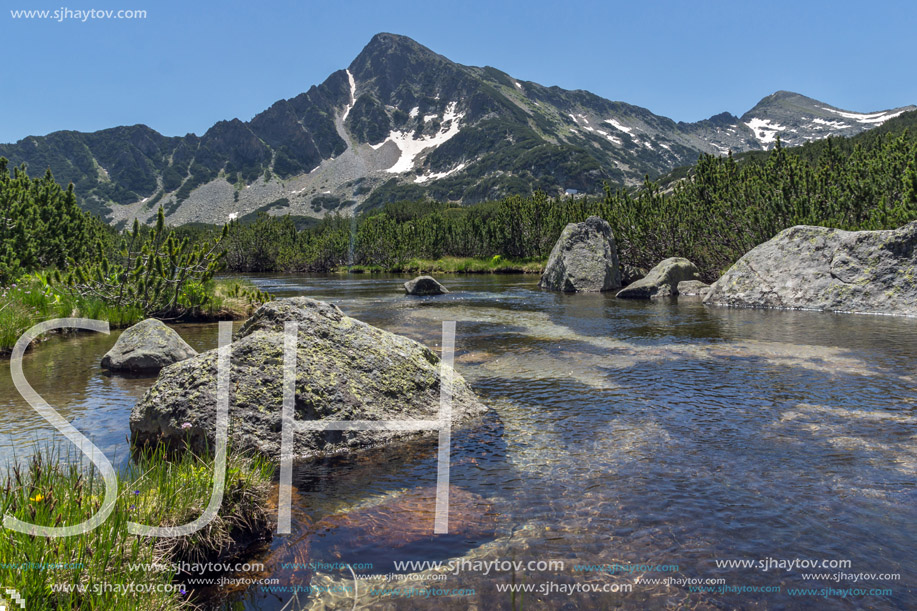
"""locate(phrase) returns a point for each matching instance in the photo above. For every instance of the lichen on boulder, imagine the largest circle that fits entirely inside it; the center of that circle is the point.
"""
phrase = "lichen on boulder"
(346, 370)
(584, 259)
(816, 268)
(147, 347)
(662, 280)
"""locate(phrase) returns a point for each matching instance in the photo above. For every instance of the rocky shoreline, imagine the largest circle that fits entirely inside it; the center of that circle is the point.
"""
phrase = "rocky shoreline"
(801, 268)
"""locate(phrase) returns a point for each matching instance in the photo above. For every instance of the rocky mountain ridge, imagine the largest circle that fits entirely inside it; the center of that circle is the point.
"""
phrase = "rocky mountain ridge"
(402, 122)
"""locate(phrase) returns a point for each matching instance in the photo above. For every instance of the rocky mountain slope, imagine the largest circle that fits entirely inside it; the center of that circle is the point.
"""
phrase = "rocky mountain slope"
(402, 122)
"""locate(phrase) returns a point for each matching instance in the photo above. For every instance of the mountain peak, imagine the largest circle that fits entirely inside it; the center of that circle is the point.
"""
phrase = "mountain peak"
(782, 101)
(390, 61)
(395, 49)
(386, 41)
(783, 94)
(798, 119)
(403, 122)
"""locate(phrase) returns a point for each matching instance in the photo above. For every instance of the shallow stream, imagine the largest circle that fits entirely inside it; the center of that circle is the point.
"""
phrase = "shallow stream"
(662, 438)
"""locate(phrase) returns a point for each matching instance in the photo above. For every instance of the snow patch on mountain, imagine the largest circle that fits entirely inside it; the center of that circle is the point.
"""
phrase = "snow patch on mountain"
(608, 136)
(619, 126)
(411, 147)
(831, 124)
(876, 118)
(438, 175)
(765, 131)
(353, 96)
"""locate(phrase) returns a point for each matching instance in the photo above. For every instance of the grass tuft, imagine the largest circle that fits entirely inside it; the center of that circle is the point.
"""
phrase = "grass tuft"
(108, 568)
(454, 265)
(33, 299)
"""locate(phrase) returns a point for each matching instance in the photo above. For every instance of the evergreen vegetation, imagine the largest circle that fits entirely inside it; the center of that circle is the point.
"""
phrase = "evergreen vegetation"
(159, 274)
(57, 261)
(41, 225)
(712, 214)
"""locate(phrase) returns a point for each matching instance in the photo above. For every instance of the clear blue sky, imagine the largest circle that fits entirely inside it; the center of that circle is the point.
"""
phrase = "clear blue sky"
(192, 63)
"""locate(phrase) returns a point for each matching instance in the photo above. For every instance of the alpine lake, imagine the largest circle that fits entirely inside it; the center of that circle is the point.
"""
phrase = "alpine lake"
(633, 449)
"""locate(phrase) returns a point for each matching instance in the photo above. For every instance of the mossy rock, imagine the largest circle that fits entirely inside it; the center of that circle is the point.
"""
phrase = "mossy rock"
(816, 268)
(346, 370)
(662, 280)
(147, 347)
(584, 259)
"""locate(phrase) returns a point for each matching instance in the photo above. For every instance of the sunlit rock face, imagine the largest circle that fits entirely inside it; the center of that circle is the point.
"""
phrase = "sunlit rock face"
(147, 347)
(663, 280)
(345, 370)
(584, 259)
(817, 268)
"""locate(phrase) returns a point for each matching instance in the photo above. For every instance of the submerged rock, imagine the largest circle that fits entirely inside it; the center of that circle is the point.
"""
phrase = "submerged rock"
(398, 528)
(662, 280)
(693, 288)
(584, 259)
(346, 370)
(816, 268)
(424, 285)
(147, 347)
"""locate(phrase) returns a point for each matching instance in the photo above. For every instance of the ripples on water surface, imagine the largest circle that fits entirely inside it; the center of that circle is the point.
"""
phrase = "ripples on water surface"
(623, 432)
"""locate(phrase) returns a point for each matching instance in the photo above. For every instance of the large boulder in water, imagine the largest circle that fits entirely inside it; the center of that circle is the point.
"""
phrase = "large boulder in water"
(584, 259)
(817, 268)
(147, 347)
(662, 280)
(346, 370)
(424, 285)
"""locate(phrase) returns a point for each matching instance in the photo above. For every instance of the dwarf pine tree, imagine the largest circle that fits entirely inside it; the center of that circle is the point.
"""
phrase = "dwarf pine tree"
(154, 272)
(41, 224)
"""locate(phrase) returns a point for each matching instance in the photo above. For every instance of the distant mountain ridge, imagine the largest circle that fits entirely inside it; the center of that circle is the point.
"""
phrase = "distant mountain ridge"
(402, 122)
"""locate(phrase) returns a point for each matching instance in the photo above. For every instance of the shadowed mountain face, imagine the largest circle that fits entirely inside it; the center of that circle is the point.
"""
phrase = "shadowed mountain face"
(402, 122)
